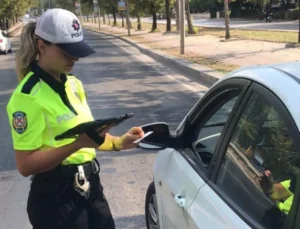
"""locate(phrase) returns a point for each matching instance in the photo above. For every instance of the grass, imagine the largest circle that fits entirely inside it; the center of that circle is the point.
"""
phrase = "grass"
(210, 62)
(272, 36)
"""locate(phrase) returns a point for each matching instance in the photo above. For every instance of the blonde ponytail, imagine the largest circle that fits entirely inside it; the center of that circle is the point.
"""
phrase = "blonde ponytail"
(28, 51)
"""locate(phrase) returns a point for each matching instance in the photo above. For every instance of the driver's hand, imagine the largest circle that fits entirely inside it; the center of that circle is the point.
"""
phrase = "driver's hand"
(266, 182)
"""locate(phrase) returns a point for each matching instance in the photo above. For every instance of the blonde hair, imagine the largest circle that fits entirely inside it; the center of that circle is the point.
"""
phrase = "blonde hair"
(28, 51)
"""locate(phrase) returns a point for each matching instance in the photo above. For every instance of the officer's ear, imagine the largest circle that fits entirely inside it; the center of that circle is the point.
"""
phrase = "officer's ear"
(43, 46)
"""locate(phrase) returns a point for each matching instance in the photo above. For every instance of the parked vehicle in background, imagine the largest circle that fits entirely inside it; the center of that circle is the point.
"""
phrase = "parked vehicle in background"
(5, 45)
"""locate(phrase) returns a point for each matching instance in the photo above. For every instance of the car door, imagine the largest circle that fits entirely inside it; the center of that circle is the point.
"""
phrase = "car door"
(256, 171)
(184, 177)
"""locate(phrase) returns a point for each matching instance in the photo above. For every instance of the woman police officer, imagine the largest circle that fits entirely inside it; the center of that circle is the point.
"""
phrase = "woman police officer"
(65, 191)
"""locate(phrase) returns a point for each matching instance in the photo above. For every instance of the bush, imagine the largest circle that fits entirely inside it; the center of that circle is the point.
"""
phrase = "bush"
(293, 14)
(278, 15)
(196, 29)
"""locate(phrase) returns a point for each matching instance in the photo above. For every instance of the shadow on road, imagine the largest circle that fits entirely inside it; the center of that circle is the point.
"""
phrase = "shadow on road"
(132, 222)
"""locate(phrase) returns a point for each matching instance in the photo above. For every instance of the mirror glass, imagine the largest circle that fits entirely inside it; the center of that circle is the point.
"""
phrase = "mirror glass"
(160, 133)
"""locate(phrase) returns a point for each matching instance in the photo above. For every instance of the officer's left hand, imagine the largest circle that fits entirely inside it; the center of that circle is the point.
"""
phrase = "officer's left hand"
(126, 140)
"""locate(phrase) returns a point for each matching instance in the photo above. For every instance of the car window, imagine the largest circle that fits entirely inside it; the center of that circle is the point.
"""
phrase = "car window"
(258, 172)
(3, 34)
(208, 133)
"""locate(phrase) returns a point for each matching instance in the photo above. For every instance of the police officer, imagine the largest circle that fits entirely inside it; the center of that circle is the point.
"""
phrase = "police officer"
(65, 191)
(283, 194)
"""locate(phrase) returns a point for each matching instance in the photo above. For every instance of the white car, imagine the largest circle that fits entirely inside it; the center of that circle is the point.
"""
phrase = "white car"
(5, 45)
(234, 161)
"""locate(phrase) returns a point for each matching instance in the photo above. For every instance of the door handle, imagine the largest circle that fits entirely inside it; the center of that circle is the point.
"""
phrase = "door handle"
(180, 200)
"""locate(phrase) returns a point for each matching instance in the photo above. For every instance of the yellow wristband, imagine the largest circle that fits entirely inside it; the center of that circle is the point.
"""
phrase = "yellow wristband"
(114, 148)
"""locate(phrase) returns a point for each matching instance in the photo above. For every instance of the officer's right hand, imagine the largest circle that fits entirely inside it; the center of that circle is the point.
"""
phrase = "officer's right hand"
(84, 141)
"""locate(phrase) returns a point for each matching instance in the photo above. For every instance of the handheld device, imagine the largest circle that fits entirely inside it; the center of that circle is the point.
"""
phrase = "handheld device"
(99, 123)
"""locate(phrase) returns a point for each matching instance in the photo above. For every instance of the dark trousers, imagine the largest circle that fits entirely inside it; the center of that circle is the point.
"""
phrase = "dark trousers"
(273, 219)
(54, 204)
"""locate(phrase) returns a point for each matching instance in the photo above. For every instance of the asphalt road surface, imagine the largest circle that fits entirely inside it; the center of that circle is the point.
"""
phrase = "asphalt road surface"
(118, 79)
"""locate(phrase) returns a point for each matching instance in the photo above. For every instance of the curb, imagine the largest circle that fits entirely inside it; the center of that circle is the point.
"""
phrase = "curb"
(292, 45)
(185, 67)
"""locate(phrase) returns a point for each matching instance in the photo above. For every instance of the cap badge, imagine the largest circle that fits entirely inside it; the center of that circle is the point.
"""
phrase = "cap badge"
(76, 25)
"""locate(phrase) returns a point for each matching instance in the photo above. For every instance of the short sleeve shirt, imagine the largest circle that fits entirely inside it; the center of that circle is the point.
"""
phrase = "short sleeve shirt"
(42, 107)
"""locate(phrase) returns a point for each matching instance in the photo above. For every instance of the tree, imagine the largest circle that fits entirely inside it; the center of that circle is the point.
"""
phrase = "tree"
(177, 14)
(138, 9)
(155, 7)
(66, 4)
(197, 6)
(168, 14)
(10, 10)
(299, 22)
(112, 8)
(188, 17)
(227, 29)
(122, 16)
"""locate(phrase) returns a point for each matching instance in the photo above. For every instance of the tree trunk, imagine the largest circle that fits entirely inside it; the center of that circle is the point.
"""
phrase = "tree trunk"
(103, 17)
(139, 26)
(227, 29)
(154, 16)
(122, 15)
(95, 20)
(177, 14)
(115, 18)
(108, 19)
(168, 28)
(188, 18)
(299, 23)
(130, 23)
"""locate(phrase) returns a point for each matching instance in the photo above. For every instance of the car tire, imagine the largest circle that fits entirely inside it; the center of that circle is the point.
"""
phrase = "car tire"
(10, 50)
(151, 210)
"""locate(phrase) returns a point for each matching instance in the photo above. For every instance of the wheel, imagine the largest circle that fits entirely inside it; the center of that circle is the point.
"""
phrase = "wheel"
(10, 50)
(151, 209)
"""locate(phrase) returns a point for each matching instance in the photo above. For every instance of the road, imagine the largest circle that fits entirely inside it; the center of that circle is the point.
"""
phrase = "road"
(118, 79)
(241, 24)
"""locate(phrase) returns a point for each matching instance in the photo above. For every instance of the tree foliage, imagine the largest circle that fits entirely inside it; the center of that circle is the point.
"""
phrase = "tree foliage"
(10, 10)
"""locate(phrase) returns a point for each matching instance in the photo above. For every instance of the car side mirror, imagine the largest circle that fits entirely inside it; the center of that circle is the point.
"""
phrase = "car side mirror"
(159, 139)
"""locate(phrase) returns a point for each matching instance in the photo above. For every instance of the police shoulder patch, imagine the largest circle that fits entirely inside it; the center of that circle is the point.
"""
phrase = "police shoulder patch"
(19, 122)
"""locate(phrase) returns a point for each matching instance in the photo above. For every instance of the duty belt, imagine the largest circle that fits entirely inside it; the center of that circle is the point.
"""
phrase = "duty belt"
(89, 168)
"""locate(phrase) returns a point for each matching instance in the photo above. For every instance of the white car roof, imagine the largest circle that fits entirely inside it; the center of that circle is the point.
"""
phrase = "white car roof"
(282, 79)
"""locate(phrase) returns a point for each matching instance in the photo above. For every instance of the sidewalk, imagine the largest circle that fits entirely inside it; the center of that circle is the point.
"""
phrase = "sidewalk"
(15, 30)
(210, 50)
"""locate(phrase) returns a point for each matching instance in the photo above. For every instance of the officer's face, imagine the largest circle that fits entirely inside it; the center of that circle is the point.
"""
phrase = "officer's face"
(56, 59)
(67, 61)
